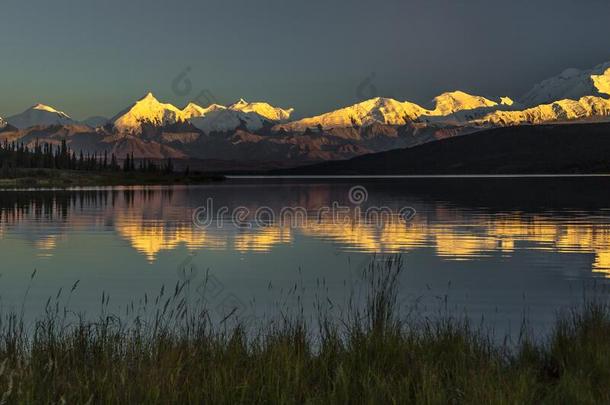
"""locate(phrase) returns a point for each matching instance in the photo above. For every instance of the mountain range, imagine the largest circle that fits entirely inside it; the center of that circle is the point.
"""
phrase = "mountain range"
(259, 132)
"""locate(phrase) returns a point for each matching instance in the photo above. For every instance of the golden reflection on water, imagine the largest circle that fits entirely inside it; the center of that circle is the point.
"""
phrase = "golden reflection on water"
(262, 240)
(46, 245)
(154, 222)
(453, 240)
(152, 236)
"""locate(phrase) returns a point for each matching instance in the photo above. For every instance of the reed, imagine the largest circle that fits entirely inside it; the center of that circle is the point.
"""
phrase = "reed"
(178, 355)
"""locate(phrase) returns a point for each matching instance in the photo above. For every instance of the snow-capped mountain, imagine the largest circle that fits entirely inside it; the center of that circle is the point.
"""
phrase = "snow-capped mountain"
(263, 109)
(459, 108)
(193, 110)
(586, 108)
(146, 110)
(212, 118)
(571, 84)
(226, 119)
(452, 108)
(376, 110)
(452, 102)
(40, 115)
(2, 123)
(242, 114)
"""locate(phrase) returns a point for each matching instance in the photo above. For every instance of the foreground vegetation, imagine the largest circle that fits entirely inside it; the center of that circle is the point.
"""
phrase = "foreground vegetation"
(371, 355)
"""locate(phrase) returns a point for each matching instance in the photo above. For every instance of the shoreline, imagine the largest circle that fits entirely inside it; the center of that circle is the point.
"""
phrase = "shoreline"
(420, 176)
(48, 179)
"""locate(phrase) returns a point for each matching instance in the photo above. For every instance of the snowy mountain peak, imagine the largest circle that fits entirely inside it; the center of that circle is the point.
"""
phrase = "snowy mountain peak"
(193, 110)
(146, 110)
(452, 102)
(149, 96)
(588, 108)
(263, 109)
(193, 106)
(43, 107)
(571, 84)
(40, 115)
(376, 110)
(250, 116)
(150, 110)
(451, 107)
(3, 123)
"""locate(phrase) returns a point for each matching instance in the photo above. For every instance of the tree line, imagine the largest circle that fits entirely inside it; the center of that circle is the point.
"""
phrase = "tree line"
(15, 155)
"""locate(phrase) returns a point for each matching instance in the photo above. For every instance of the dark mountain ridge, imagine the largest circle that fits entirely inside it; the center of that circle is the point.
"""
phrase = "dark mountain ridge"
(528, 149)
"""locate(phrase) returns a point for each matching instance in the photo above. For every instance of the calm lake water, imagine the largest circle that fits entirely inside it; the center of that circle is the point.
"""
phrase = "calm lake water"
(495, 249)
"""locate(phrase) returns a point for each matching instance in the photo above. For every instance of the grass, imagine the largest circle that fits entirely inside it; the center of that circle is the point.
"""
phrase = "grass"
(49, 178)
(371, 355)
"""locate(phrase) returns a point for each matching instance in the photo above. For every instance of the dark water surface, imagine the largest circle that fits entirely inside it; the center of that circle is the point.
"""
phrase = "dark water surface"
(492, 248)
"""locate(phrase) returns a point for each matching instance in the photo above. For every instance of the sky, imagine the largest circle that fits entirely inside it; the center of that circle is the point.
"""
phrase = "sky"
(97, 57)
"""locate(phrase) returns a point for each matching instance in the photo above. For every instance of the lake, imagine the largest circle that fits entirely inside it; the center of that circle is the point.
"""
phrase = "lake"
(495, 249)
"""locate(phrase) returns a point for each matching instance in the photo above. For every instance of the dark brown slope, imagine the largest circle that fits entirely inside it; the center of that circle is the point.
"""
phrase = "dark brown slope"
(550, 149)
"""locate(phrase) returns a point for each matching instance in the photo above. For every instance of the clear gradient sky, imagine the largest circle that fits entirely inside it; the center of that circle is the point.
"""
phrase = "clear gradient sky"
(95, 58)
